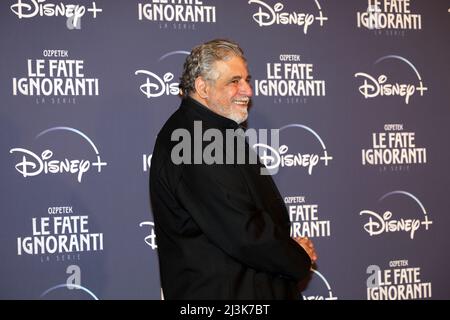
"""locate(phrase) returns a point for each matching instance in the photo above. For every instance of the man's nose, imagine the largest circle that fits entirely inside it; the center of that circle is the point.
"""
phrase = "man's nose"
(246, 88)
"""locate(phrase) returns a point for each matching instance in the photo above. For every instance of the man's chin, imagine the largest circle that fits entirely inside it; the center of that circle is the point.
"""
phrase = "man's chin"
(239, 118)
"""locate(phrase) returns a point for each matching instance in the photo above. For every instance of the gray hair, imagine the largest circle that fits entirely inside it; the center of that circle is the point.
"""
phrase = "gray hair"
(200, 62)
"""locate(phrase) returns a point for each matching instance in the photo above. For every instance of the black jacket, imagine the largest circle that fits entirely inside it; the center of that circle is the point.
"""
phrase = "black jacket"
(222, 230)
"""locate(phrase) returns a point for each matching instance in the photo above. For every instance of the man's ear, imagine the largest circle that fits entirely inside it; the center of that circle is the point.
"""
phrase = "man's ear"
(201, 87)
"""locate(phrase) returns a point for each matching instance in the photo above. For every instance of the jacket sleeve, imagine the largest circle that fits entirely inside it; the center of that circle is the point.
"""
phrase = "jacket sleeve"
(218, 199)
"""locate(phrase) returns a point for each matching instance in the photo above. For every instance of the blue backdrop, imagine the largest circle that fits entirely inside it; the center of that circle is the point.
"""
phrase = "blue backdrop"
(359, 89)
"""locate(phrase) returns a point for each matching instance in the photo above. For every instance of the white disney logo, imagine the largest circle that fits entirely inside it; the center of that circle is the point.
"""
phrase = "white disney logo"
(380, 87)
(29, 168)
(37, 7)
(373, 87)
(280, 158)
(385, 224)
(154, 86)
(276, 16)
(33, 164)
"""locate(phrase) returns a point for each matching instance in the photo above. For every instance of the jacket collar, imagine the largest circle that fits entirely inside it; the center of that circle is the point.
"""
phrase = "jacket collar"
(191, 105)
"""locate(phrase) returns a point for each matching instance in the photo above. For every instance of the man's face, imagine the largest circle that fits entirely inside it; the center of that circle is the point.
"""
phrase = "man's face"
(230, 93)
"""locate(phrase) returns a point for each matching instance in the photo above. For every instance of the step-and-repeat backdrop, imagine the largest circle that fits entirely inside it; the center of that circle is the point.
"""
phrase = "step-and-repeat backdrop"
(359, 90)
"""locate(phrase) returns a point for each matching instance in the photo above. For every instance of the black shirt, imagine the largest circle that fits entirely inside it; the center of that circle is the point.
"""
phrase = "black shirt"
(223, 231)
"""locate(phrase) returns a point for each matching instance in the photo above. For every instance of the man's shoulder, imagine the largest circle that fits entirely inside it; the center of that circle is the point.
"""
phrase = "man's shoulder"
(176, 120)
(164, 141)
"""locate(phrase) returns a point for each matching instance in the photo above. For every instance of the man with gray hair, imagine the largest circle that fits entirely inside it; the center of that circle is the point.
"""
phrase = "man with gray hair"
(222, 229)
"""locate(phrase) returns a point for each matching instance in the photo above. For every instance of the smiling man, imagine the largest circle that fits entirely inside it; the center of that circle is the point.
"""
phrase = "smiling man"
(223, 231)
(226, 89)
